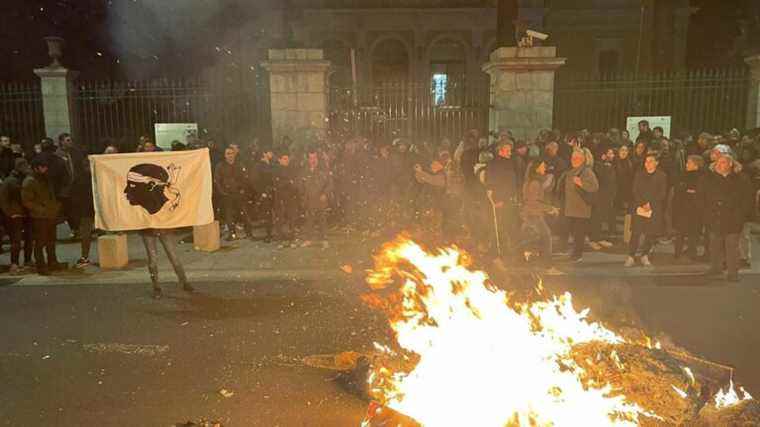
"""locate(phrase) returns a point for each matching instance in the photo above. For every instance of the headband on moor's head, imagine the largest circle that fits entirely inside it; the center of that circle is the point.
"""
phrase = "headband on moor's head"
(170, 191)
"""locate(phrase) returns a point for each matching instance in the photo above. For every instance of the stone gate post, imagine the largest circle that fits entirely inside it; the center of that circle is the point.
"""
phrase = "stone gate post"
(58, 94)
(298, 94)
(522, 89)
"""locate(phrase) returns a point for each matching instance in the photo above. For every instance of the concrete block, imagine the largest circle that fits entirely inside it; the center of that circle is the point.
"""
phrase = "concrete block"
(315, 82)
(316, 54)
(312, 102)
(525, 81)
(206, 238)
(277, 83)
(113, 251)
(276, 54)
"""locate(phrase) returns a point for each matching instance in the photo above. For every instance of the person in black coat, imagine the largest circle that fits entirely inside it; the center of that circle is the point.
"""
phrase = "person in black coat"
(650, 189)
(503, 184)
(603, 210)
(687, 199)
(727, 201)
(624, 172)
(83, 208)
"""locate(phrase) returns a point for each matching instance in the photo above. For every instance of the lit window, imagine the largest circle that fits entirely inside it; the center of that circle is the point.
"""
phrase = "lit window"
(440, 83)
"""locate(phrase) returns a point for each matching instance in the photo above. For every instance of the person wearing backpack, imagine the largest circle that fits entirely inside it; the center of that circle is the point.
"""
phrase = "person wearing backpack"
(650, 191)
(578, 187)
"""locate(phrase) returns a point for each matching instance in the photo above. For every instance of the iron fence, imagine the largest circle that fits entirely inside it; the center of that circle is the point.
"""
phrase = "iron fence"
(713, 100)
(419, 111)
(21, 115)
(122, 111)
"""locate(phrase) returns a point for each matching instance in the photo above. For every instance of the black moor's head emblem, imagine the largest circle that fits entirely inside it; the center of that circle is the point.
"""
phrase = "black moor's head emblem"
(151, 186)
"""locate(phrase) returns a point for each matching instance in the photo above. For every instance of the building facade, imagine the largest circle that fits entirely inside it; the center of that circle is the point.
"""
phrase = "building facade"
(415, 40)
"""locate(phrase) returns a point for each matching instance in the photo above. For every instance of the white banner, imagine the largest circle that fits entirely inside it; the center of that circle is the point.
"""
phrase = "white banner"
(168, 132)
(134, 191)
(632, 125)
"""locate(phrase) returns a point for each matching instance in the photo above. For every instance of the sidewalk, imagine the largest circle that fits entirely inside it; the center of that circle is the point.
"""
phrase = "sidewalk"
(245, 261)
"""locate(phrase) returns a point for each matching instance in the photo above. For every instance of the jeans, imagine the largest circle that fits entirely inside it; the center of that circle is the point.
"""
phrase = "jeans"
(316, 224)
(20, 228)
(639, 230)
(149, 237)
(724, 248)
(234, 208)
(44, 234)
(578, 228)
(681, 237)
(603, 212)
(538, 224)
(86, 225)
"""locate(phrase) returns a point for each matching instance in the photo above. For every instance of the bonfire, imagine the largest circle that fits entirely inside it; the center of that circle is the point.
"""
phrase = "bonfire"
(466, 353)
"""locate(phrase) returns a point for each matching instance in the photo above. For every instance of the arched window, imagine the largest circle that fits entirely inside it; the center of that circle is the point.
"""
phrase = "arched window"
(448, 68)
(390, 61)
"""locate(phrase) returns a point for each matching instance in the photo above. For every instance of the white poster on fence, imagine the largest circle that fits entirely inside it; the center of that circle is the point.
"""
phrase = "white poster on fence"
(134, 191)
(166, 133)
(632, 125)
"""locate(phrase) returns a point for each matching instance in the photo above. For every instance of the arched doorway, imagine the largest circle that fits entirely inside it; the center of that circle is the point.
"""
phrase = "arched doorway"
(448, 69)
(390, 61)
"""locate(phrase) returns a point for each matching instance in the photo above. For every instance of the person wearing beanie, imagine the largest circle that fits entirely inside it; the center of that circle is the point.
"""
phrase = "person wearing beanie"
(18, 222)
(38, 197)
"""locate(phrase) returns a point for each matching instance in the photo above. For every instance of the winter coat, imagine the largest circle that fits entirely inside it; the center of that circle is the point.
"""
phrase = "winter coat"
(261, 178)
(10, 195)
(72, 160)
(81, 196)
(651, 188)
(38, 197)
(229, 178)
(534, 192)
(624, 174)
(687, 202)
(502, 177)
(573, 204)
(57, 173)
(7, 161)
(285, 181)
(727, 202)
(315, 184)
(605, 174)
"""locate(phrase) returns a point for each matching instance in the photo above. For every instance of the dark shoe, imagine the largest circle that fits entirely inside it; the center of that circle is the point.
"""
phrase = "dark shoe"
(43, 272)
(744, 264)
(187, 288)
(157, 293)
(83, 262)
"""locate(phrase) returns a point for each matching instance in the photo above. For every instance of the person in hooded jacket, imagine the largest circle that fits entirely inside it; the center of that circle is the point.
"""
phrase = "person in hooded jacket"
(727, 202)
(687, 199)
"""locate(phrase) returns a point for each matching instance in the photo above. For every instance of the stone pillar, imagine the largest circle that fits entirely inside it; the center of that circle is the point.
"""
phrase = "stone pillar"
(298, 94)
(522, 89)
(58, 100)
(753, 109)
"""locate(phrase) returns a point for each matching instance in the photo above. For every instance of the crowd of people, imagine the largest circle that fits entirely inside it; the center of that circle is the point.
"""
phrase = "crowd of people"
(561, 193)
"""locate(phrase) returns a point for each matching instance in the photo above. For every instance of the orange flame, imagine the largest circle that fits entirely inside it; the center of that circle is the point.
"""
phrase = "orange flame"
(481, 359)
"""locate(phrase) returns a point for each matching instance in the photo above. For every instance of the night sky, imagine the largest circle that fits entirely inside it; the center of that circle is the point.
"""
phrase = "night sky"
(120, 39)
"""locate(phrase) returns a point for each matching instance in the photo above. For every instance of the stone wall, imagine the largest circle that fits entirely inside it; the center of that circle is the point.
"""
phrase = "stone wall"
(298, 92)
(522, 89)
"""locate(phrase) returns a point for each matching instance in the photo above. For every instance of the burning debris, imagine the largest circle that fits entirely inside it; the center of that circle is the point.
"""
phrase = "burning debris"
(468, 354)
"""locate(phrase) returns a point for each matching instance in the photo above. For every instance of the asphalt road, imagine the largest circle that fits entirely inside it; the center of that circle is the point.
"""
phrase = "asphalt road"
(108, 355)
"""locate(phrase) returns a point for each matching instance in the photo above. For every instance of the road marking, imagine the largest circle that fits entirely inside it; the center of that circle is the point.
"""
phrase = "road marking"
(142, 350)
